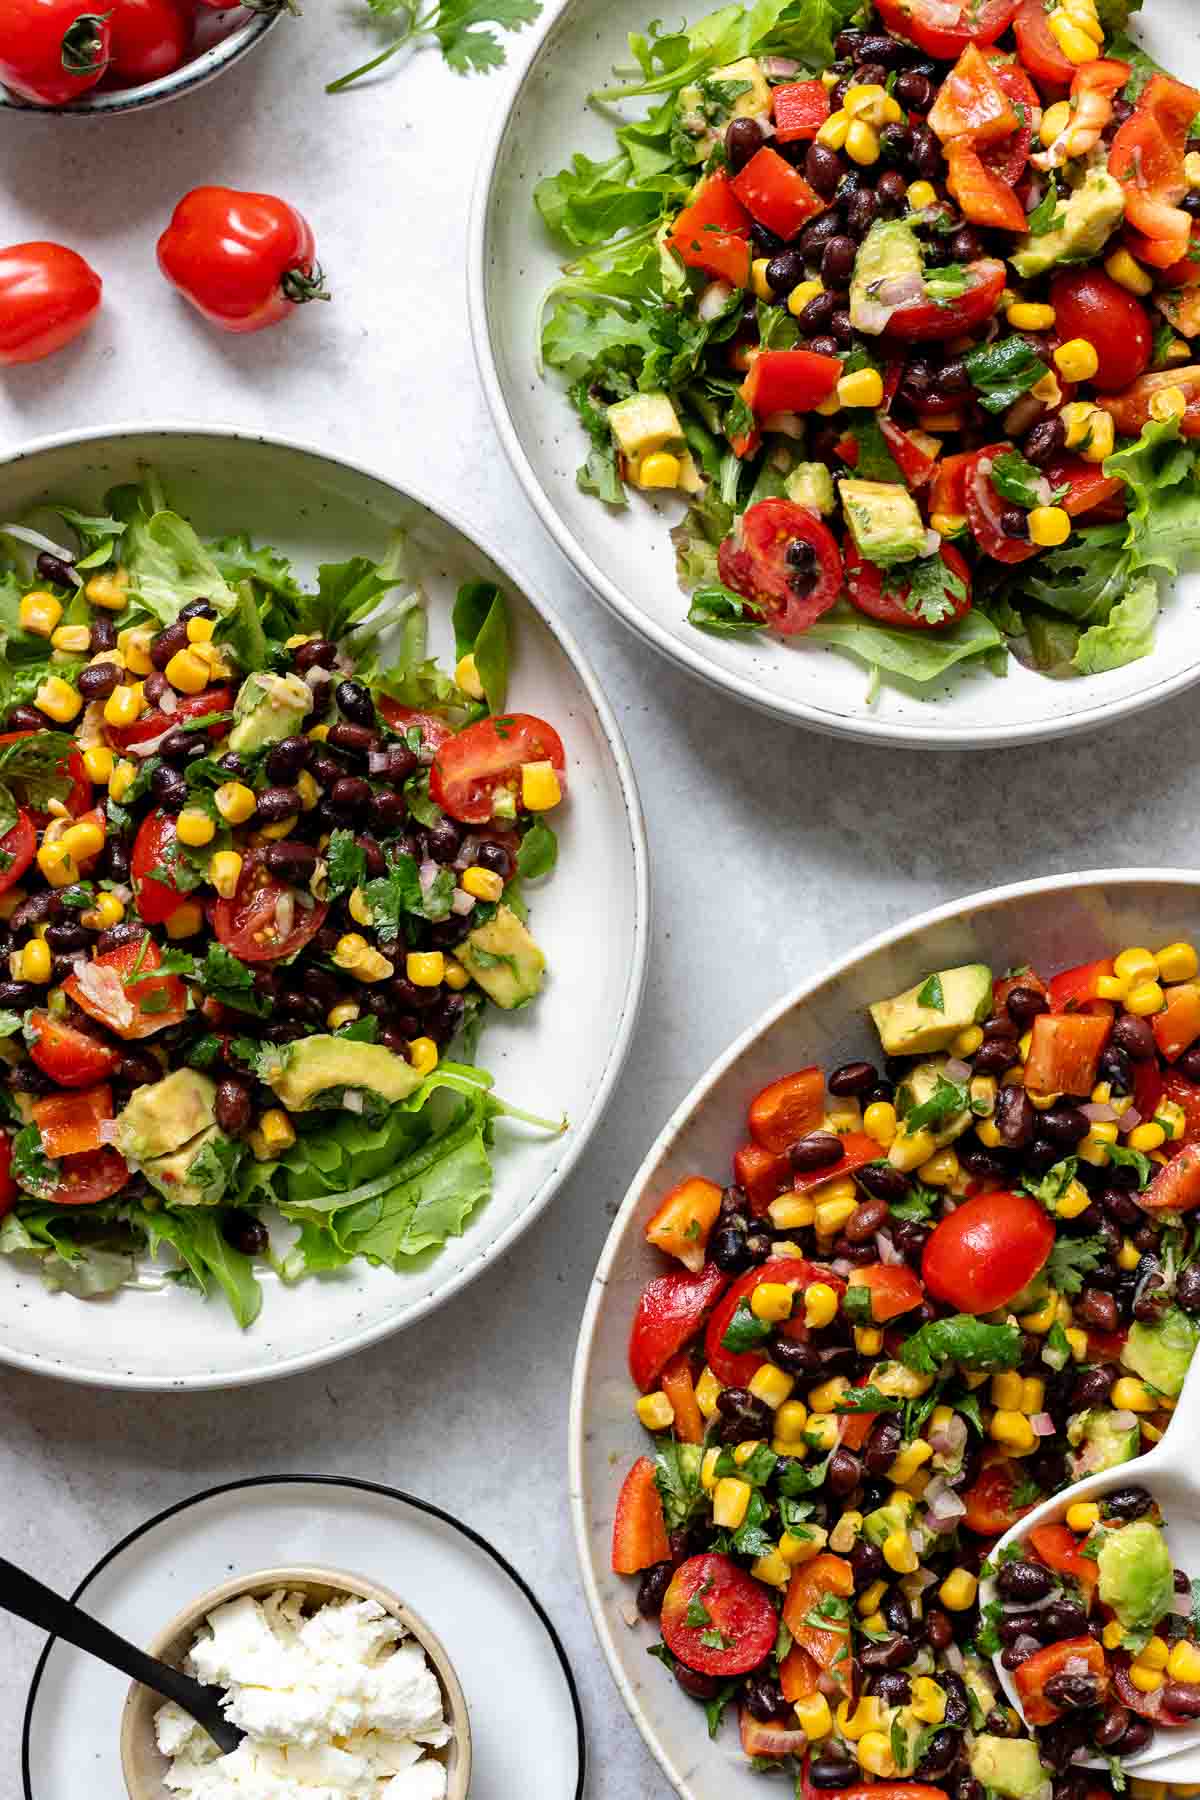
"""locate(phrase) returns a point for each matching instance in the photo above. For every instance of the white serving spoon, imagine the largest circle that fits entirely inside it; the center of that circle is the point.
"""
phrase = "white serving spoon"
(1171, 1473)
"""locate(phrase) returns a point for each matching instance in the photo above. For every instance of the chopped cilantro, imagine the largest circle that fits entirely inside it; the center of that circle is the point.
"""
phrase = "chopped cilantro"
(931, 995)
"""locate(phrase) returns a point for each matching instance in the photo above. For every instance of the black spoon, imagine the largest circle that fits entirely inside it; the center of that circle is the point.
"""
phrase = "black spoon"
(30, 1599)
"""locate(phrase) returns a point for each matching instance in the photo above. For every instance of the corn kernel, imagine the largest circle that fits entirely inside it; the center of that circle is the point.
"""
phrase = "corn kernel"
(344, 1013)
(801, 294)
(855, 1720)
(771, 1570)
(276, 1128)
(987, 1133)
(771, 1385)
(540, 787)
(456, 977)
(920, 195)
(195, 827)
(186, 920)
(1146, 998)
(1005, 1391)
(791, 1212)
(466, 676)
(846, 1533)
(862, 144)
(871, 1598)
(731, 1497)
(796, 1549)
(1055, 120)
(1150, 1136)
(879, 1122)
(1172, 1118)
(910, 1149)
(187, 673)
(820, 1305)
(1191, 168)
(834, 131)
(1109, 988)
(1013, 1430)
(910, 1459)
(134, 645)
(1075, 43)
(758, 278)
(74, 640)
(33, 963)
(83, 840)
(1075, 1201)
(1131, 1395)
(928, 1700)
(655, 1412)
(39, 613)
(957, 1593)
(1128, 1256)
(1155, 1654)
(307, 789)
(125, 705)
(868, 1340)
(863, 388)
(823, 1432)
(1168, 403)
(225, 871)
(484, 884)
(708, 1468)
(1113, 1635)
(814, 1717)
(874, 1752)
(1129, 274)
(1083, 1515)
(1078, 1342)
(1049, 526)
(832, 1214)
(828, 1394)
(423, 1055)
(1076, 360)
(1136, 965)
(121, 780)
(898, 1552)
(790, 1420)
(968, 1040)
(660, 469)
(942, 1170)
(1178, 962)
(1183, 1664)
(1145, 1680)
(58, 700)
(110, 591)
(1033, 1393)
(1040, 1320)
(108, 911)
(425, 968)
(200, 631)
(99, 763)
(1101, 438)
(1024, 315)
(1048, 390)
(235, 802)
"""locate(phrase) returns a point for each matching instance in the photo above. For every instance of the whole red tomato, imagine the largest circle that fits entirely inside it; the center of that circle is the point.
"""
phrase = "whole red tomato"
(243, 260)
(48, 295)
(52, 50)
(149, 39)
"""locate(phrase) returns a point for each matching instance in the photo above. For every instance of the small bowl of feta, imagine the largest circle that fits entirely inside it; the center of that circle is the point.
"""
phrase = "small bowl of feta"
(337, 1685)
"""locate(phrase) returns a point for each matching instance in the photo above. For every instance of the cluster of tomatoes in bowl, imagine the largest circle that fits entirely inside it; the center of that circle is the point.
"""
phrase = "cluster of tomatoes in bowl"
(54, 51)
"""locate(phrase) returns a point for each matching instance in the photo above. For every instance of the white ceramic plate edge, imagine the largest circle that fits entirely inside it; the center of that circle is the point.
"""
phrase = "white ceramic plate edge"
(860, 729)
(582, 1131)
(576, 1422)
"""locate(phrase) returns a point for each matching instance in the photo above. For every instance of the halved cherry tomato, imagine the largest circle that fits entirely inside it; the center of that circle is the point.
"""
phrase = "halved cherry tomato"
(811, 1583)
(773, 1739)
(800, 109)
(68, 1055)
(1147, 1086)
(51, 51)
(739, 1615)
(915, 464)
(1064, 1052)
(735, 1368)
(17, 849)
(1147, 1706)
(712, 232)
(925, 321)
(785, 559)
(1032, 1675)
(924, 23)
(1089, 304)
(682, 1223)
(670, 1311)
(96, 1175)
(984, 197)
(1147, 158)
(8, 1187)
(639, 1530)
(775, 194)
(474, 764)
(989, 1500)
(1177, 1027)
(1038, 47)
(984, 1252)
(1176, 1187)
(1074, 990)
(1131, 408)
(155, 848)
(789, 381)
(985, 511)
(1058, 1547)
(153, 724)
(1186, 1095)
(971, 104)
(432, 729)
(762, 1175)
(1008, 156)
(157, 1000)
(798, 1675)
(249, 924)
(894, 1289)
(788, 1108)
(677, 1384)
(70, 1123)
(864, 586)
(857, 1151)
(79, 799)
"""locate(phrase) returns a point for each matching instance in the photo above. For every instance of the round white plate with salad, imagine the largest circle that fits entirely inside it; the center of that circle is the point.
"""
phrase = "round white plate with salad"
(648, 1311)
(298, 790)
(707, 354)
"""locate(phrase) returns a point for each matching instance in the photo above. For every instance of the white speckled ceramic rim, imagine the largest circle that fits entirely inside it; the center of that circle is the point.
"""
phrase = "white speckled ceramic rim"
(189, 76)
(675, 1126)
(582, 1130)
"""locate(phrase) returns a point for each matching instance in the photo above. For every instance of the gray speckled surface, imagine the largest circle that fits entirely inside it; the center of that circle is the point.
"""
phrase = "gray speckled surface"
(772, 848)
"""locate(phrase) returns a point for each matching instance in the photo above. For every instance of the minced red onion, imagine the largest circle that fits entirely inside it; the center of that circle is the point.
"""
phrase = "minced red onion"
(1123, 1421)
(765, 123)
(461, 902)
(427, 875)
(316, 677)
(285, 913)
(714, 300)
(887, 1250)
(918, 1539)
(787, 424)
(168, 701)
(780, 68)
(1042, 1424)
(377, 762)
(1099, 1113)
(39, 541)
(149, 746)
(468, 851)
(120, 892)
(956, 1069)
(108, 1129)
(842, 1267)
(1026, 1644)
(1129, 1118)
(954, 1658)
(1081, 1754)
(352, 1100)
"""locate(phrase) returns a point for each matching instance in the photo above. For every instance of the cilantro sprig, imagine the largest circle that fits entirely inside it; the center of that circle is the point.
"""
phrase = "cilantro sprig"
(461, 29)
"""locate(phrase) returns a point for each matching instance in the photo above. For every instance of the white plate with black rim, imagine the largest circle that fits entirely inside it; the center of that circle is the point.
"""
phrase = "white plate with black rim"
(318, 509)
(626, 555)
(526, 1723)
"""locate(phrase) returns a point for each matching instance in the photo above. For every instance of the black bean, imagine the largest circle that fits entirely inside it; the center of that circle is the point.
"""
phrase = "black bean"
(909, 1238)
(958, 1706)
(995, 1057)
(354, 702)
(1044, 441)
(939, 1756)
(763, 1698)
(837, 261)
(103, 634)
(197, 609)
(860, 213)
(291, 861)
(867, 1564)
(1098, 1309)
(1025, 1004)
(914, 92)
(765, 242)
(354, 739)
(814, 237)
(387, 812)
(26, 718)
(965, 245)
(232, 1105)
(1115, 1068)
(890, 1686)
(823, 170)
(846, 43)
(738, 1406)
(841, 329)
(939, 1632)
(116, 935)
(1066, 1125)
(37, 909)
(861, 1226)
(1024, 1581)
(1062, 1620)
(495, 858)
(350, 794)
(831, 1770)
(318, 653)
(275, 804)
(179, 747)
(870, 73)
(1018, 1625)
(168, 643)
(138, 1068)
(1182, 1697)
(1137, 1735)
(882, 1181)
(1014, 1116)
(1092, 1388)
(818, 1150)
(245, 1233)
(889, 1653)
(700, 1687)
(69, 935)
(1189, 1065)
(796, 1359)
(824, 346)
(168, 789)
(883, 1445)
(98, 681)
(286, 759)
(727, 1247)
(925, 152)
(1134, 1036)
(897, 1613)
(1111, 1728)
(842, 1475)
(742, 138)
(1014, 522)
(1128, 1503)
(443, 841)
(891, 192)
(1187, 1289)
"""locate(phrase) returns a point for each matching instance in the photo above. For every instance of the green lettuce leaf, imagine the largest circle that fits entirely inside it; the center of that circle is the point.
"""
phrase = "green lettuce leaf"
(1127, 635)
(197, 1239)
(169, 567)
(920, 656)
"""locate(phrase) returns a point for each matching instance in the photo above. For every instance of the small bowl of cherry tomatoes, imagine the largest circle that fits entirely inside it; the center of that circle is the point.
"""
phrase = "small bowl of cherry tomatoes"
(74, 56)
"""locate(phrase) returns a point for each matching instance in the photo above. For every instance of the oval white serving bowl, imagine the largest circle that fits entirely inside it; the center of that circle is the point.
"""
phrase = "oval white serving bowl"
(561, 1056)
(1050, 924)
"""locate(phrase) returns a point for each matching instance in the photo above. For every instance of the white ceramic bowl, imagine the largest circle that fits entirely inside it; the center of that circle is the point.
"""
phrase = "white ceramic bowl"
(1051, 924)
(561, 1056)
(626, 556)
(223, 38)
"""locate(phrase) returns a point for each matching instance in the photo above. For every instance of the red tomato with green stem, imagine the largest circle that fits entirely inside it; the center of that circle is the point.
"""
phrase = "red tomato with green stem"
(1089, 304)
(983, 1253)
(923, 22)
(738, 1616)
(48, 296)
(244, 261)
(885, 594)
(51, 51)
(250, 924)
(476, 765)
(150, 38)
(785, 560)
(927, 321)
(71, 1057)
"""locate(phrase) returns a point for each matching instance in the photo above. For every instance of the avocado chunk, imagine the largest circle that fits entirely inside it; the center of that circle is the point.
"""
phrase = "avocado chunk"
(1010, 1766)
(165, 1114)
(910, 1024)
(1137, 1576)
(503, 958)
(268, 709)
(889, 252)
(909, 1147)
(326, 1065)
(1160, 1353)
(706, 105)
(884, 520)
(811, 485)
(1082, 226)
(644, 423)
(981, 1686)
(878, 1526)
(199, 1173)
(1098, 1442)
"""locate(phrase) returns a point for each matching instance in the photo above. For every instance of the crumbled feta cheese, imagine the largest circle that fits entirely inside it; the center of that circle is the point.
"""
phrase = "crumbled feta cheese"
(337, 1705)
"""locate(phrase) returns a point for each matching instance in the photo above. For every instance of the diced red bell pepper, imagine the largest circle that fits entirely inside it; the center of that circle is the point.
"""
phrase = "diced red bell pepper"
(811, 1583)
(1074, 990)
(858, 1426)
(1032, 1675)
(712, 232)
(714, 207)
(157, 1000)
(971, 104)
(785, 381)
(736, 1368)
(798, 1675)
(915, 464)
(982, 196)
(1147, 158)
(1147, 1087)
(639, 1529)
(1176, 1187)
(677, 1384)
(682, 1223)
(1064, 1052)
(1177, 1027)
(1156, 253)
(1058, 1547)
(857, 1151)
(948, 495)
(1131, 407)
(775, 194)
(1087, 485)
(800, 109)
(893, 1287)
(670, 1312)
(774, 1739)
(70, 1123)
(788, 1109)
(762, 1175)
